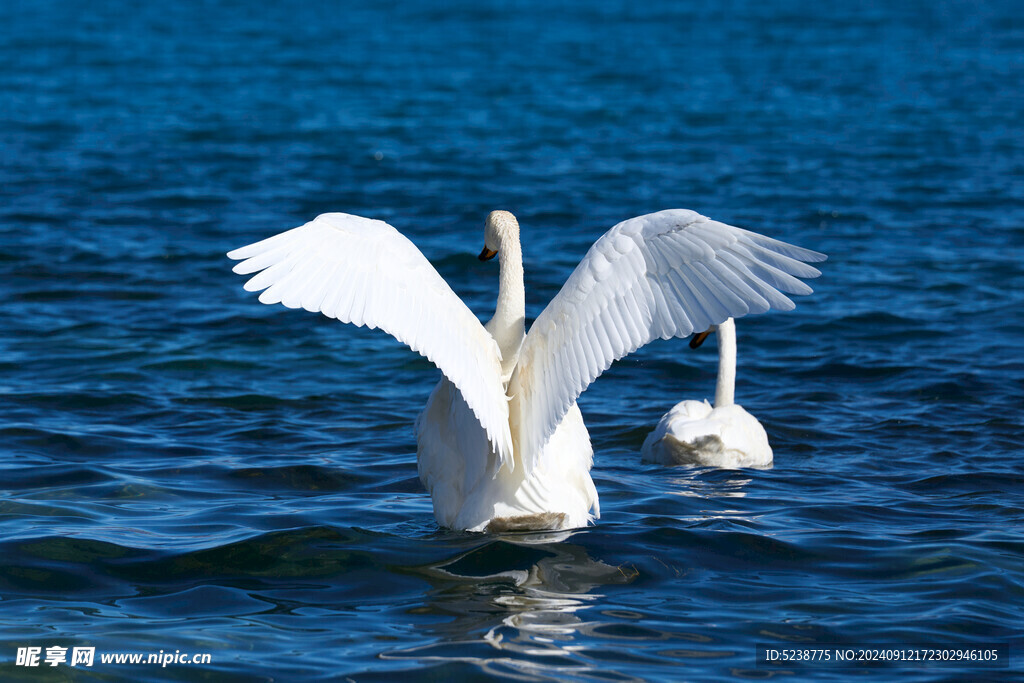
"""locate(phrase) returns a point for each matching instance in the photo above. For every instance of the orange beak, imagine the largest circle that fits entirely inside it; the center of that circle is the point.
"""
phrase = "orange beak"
(698, 339)
(486, 254)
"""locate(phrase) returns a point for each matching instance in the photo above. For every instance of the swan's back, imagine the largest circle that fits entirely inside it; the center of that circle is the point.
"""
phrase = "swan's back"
(694, 433)
(459, 468)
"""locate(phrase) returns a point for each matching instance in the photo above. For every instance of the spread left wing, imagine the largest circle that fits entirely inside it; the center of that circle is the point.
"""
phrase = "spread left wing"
(365, 272)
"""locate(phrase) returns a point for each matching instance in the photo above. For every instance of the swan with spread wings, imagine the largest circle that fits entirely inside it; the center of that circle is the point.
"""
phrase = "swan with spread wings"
(501, 441)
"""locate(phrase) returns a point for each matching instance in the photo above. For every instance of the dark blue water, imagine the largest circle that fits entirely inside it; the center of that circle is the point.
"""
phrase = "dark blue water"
(186, 470)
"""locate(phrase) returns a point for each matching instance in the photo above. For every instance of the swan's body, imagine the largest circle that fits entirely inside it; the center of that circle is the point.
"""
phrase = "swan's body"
(694, 433)
(457, 464)
(501, 442)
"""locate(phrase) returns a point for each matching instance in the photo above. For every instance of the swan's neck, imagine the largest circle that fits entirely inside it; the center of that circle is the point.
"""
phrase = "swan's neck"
(508, 326)
(726, 386)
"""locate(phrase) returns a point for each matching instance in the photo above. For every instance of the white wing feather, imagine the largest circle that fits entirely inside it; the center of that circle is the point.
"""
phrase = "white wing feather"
(365, 272)
(666, 274)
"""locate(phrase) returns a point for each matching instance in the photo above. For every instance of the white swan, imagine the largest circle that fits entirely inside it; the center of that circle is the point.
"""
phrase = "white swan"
(501, 442)
(694, 433)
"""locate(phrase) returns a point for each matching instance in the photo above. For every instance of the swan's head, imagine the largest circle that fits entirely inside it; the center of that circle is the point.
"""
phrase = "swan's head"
(500, 227)
(698, 339)
(726, 329)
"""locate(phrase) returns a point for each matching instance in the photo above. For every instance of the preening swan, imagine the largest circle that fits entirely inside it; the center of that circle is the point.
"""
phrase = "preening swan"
(694, 433)
(501, 442)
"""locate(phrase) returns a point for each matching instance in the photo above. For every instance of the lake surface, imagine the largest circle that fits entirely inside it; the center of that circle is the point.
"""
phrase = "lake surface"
(186, 470)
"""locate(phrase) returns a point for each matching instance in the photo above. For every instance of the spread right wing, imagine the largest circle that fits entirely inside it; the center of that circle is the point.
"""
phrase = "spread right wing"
(666, 274)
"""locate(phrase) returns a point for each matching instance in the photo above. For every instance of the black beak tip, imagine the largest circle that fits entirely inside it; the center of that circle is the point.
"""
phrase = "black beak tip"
(486, 254)
(698, 339)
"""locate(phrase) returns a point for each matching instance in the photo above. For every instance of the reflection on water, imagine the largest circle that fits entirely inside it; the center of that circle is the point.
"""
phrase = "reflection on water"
(517, 603)
(689, 483)
(710, 486)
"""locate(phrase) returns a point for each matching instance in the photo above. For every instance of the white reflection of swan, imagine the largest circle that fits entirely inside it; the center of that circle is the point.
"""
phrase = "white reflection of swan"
(713, 494)
(524, 596)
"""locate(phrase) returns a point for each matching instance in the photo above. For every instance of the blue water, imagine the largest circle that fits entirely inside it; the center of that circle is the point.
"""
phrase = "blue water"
(187, 470)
